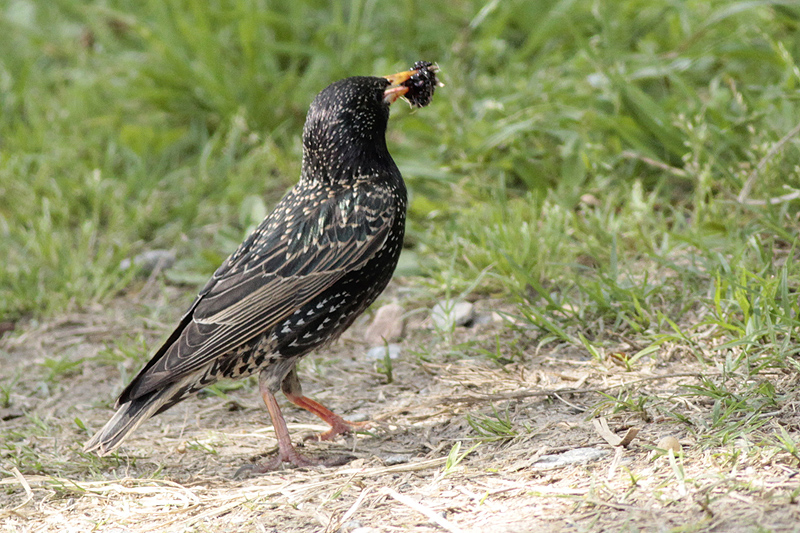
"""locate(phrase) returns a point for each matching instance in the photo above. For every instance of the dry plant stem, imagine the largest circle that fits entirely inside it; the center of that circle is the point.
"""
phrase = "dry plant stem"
(521, 394)
(751, 179)
(350, 512)
(428, 513)
(652, 162)
(28, 492)
(774, 201)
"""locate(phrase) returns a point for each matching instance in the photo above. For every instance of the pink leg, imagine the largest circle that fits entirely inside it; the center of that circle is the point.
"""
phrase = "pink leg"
(338, 424)
(294, 393)
(286, 451)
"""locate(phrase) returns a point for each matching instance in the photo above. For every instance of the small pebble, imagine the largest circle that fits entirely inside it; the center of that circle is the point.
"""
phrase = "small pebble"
(396, 459)
(387, 326)
(590, 199)
(358, 417)
(350, 526)
(378, 353)
(450, 313)
(484, 318)
(149, 260)
(578, 455)
(670, 443)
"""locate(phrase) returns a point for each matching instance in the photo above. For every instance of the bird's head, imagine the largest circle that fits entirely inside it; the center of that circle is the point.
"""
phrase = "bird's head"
(345, 130)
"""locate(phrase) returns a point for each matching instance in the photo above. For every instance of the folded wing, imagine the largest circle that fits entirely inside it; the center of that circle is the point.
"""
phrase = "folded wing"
(294, 255)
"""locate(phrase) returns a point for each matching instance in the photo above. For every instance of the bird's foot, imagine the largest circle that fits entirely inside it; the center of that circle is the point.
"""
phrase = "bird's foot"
(291, 456)
(294, 458)
(287, 453)
(339, 426)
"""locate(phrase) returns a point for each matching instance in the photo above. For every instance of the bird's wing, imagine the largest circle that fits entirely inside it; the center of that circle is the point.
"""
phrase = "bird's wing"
(293, 256)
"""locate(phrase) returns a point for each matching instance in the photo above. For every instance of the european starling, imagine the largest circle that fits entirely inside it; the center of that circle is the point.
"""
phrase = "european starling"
(322, 256)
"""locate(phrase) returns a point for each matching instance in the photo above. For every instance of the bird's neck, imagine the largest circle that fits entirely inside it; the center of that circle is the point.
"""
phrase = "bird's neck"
(342, 162)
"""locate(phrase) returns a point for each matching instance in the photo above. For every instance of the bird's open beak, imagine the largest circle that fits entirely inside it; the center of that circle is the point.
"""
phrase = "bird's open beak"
(396, 90)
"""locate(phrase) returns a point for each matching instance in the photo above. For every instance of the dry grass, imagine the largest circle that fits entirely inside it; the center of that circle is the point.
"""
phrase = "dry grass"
(175, 474)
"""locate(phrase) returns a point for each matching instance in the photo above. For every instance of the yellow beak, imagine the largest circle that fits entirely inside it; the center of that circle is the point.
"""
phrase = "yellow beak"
(396, 90)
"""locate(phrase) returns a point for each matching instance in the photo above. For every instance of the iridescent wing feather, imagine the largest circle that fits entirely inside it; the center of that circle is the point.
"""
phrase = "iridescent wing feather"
(287, 261)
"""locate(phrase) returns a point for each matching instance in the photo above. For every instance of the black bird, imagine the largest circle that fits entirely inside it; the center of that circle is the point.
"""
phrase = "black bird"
(322, 256)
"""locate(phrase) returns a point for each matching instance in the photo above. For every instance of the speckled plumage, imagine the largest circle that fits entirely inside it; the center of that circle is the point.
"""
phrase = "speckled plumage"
(322, 256)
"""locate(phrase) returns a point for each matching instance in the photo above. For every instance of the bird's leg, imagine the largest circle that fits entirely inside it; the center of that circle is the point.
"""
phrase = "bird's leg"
(286, 451)
(294, 392)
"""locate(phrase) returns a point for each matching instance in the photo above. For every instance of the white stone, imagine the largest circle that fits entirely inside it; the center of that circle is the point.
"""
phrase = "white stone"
(149, 260)
(448, 314)
(387, 326)
(379, 352)
(576, 456)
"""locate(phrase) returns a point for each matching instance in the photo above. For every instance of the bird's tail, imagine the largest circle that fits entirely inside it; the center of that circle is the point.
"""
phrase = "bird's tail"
(130, 415)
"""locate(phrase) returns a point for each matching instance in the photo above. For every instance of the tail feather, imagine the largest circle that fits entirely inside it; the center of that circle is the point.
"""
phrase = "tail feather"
(130, 415)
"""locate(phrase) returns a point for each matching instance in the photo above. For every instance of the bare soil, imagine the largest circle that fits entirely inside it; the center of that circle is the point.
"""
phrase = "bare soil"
(176, 472)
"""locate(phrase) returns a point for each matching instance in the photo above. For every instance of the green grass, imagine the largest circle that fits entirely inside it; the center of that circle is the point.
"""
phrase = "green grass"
(583, 161)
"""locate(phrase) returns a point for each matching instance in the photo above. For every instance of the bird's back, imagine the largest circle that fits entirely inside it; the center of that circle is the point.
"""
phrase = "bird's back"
(323, 255)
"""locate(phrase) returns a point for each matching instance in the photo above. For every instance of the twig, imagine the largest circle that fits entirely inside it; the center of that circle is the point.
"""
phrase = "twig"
(654, 163)
(334, 524)
(612, 468)
(159, 267)
(601, 426)
(433, 517)
(210, 513)
(576, 407)
(22, 481)
(794, 195)
(617, 506)
(350, 512)
(525, 393)
(751, 179)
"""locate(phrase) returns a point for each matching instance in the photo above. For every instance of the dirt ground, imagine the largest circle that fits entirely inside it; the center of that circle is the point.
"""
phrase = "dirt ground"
(539, 462)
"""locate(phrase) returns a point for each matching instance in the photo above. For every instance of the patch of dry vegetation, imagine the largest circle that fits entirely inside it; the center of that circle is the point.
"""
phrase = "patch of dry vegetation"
(459, 444)
(619, 180)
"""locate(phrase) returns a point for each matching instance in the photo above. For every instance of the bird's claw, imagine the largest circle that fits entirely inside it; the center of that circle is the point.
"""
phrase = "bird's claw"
(299, 461)
(339, 426)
